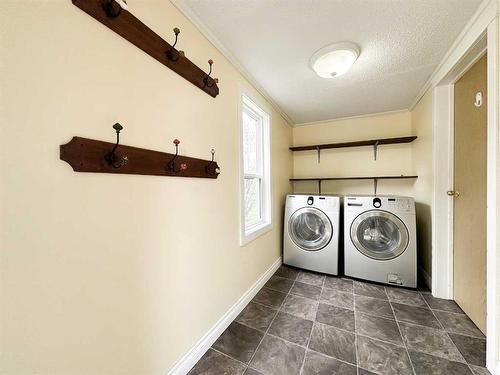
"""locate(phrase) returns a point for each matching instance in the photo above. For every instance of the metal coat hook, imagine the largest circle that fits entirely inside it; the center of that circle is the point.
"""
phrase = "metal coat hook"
(209, 81)
(478, 99)
(208, 168)
(172, 53)
(113, 8)
(375, 147)
(111, 157)
(171, 164)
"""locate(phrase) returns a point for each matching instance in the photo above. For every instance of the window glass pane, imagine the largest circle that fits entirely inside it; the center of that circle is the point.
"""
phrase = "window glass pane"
(250, 144)
(252, 201)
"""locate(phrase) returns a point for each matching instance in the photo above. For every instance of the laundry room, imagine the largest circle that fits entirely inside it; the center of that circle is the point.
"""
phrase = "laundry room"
(230, 187)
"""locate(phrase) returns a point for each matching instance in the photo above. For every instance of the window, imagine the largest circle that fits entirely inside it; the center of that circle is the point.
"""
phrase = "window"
(255, 176)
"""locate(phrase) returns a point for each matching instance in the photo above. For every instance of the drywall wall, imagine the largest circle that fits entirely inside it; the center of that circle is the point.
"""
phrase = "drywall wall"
(117, 274)
(421, 118)
(359, 161)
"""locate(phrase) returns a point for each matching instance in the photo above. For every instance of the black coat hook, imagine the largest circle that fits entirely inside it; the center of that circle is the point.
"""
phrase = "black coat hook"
(209, 81)
(111, 157)
(212, 171)
(171, 166)
(172, 53)
(114, 8)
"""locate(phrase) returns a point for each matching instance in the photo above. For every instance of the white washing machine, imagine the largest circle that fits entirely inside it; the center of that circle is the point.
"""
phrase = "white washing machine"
(380, 239)
(311, 233)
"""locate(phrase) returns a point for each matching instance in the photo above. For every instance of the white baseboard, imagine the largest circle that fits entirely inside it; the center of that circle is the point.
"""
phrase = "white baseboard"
(187, 362)
(494, 370)
(426, 277)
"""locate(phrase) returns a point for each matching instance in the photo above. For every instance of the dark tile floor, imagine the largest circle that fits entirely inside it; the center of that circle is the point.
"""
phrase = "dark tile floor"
(307, 323)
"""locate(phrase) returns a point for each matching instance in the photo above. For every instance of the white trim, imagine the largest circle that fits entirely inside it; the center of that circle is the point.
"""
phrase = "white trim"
(426, 277)
(493, 201)
(196, 352)
(188, 12)
(376, 114)
(472, 32)
(478, 51)
(248, 235)
(442, 205)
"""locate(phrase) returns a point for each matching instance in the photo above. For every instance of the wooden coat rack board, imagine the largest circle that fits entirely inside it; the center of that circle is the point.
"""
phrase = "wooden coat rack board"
(89, 155)
(124, 23)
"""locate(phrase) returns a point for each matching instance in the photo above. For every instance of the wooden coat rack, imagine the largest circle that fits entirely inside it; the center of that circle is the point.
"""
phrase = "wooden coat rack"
(90, 155)
(124, 23)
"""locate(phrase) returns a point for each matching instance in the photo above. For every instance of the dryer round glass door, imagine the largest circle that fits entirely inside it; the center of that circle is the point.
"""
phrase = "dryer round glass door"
(379, 235)
(310, 229)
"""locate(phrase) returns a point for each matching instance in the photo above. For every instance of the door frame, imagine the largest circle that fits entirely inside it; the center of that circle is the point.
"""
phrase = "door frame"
(479, 35)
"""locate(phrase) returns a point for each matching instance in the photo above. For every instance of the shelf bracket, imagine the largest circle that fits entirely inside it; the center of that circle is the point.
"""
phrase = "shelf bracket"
(319, 187)
(319, 154)
(375, 147)
(375, 183)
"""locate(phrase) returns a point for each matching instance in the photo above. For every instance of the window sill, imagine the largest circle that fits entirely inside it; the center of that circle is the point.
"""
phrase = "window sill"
(254, 233)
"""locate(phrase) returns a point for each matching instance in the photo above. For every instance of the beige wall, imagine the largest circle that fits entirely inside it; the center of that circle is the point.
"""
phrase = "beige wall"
(116, 274)
(421, 118)
(359, 161)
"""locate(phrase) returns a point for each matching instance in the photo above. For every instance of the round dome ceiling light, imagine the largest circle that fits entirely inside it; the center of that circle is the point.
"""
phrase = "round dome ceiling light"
(335, 59)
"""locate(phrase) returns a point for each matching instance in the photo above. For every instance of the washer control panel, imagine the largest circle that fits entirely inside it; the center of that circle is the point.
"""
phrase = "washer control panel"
(400, 204)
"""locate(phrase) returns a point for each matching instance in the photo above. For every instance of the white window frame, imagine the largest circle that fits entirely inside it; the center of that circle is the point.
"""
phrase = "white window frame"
(249, 233)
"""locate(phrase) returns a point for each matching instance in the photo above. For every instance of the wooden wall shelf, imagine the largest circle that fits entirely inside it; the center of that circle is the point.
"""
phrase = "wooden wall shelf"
(369, 142)
(352, 178)
(89, 155)
(374, 178)
(131, 28)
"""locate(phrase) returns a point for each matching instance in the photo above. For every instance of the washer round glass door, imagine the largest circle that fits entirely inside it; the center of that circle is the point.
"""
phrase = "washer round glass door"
(310, 229)
(379, 235)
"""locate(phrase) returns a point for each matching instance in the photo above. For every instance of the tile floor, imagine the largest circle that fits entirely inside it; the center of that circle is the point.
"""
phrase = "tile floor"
(307, 323)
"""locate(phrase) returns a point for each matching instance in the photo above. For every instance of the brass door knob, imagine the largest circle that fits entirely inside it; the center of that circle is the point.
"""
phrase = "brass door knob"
(453, 193)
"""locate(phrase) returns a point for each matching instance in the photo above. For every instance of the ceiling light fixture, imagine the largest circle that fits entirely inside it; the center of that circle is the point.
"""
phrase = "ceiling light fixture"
(335, 59)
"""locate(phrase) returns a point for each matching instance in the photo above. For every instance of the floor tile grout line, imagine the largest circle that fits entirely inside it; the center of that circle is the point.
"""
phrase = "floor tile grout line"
(440, 329)
(448, 312)
(335, 305)
(261, 304)
(448, 334)
(358, 334)
(228, 356)
(310, 333)
(403, 339)
(270, 324)
(355, 330)
(443, 331)
(441, 310)
(331, 357)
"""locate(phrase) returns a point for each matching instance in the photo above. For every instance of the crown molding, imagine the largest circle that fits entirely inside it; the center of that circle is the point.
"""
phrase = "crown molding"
(205, 31)
(376, 114)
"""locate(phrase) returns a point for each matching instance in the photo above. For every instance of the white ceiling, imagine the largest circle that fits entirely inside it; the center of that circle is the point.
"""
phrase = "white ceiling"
(401, 42)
